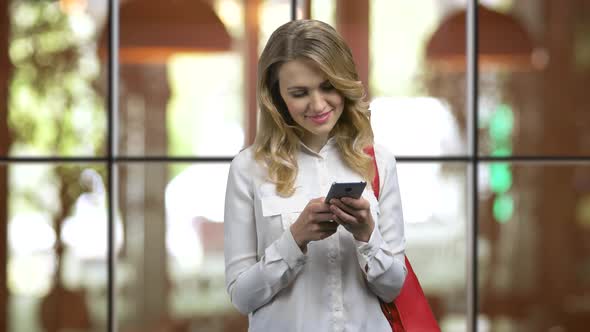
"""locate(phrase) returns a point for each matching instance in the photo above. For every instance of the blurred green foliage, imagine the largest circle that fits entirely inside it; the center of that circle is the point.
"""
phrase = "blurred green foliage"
(54, 109)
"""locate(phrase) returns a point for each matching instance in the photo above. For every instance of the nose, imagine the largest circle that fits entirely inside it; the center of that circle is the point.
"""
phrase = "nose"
(318, 102)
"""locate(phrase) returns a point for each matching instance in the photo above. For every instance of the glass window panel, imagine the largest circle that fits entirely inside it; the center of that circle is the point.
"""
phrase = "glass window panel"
(181, 73)
(434, 201)
(171, 272)
(533, 99)
(534, 250)
(57, 247)
(405, 86)
(55, 107)
(399, 124)
(185, 77)
(273, 13)
(324, 11)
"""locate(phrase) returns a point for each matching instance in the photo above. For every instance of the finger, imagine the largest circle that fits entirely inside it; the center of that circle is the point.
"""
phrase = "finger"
(316, 207)
(322, 217)
(357, 204)
(348, 226)
(342, 217)
(318, 200)
(343, 207)
(360, 215)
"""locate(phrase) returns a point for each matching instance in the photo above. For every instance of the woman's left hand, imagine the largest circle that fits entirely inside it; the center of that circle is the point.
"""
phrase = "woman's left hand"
(354, 215)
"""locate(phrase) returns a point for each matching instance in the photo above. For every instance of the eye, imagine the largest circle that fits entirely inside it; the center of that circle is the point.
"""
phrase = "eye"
(327, 87)
(298, 93)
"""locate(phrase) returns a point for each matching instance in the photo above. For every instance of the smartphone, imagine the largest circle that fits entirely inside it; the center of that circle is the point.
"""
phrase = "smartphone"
(345, 189)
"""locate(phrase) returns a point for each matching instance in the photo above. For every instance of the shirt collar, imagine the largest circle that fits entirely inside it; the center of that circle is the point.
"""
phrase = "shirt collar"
(330, 144)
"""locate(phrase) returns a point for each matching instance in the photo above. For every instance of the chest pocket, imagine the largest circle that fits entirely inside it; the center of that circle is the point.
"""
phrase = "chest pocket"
(285, 210)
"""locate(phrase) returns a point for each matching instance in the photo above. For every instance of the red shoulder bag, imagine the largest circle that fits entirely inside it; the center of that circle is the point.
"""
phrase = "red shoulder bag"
(410, 311)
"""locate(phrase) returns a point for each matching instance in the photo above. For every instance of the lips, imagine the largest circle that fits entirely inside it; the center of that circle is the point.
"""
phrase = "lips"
(320, 118)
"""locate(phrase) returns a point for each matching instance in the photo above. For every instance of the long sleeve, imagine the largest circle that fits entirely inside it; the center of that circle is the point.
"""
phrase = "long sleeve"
(382, 257)
(251, 283)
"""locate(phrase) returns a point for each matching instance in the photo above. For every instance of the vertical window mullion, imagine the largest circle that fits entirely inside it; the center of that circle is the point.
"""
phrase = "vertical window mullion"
(472, 225)
(293, 10)
(112, 116)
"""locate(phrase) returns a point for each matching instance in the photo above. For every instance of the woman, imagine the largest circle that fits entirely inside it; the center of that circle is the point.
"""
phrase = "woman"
(289, 265)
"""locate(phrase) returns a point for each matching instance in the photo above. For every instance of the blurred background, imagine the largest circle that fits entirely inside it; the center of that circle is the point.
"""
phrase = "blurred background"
(187, 106)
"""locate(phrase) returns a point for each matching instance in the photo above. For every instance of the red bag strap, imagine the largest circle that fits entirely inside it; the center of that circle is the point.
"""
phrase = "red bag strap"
(371, 152)
(410, 311)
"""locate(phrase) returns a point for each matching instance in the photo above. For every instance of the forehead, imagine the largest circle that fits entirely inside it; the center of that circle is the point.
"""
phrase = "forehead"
(300, 73)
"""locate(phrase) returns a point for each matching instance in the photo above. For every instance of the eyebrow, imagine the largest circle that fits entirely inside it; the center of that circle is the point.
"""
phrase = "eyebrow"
(304, 87)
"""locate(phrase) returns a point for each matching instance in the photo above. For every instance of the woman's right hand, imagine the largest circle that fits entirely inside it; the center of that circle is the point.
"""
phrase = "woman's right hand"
(316, 222)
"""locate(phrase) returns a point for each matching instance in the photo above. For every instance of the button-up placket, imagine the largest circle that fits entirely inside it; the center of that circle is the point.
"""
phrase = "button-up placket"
(322, 175)
(333, 248)
(334, 268)
(335, 281)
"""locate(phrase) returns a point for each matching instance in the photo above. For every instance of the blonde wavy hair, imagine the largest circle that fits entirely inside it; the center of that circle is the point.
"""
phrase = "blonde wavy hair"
(277, 141)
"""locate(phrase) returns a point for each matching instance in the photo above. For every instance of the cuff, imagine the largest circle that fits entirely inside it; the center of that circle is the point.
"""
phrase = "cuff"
(367, 250)
(289, 250)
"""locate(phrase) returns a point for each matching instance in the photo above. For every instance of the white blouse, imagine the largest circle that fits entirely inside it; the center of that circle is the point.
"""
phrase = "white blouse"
(282, 289)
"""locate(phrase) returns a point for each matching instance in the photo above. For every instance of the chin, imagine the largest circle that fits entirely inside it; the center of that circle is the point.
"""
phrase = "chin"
(322, 131)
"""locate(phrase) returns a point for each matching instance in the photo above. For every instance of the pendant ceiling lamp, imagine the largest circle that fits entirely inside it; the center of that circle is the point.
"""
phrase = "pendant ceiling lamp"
(502, 43)
(150, 31)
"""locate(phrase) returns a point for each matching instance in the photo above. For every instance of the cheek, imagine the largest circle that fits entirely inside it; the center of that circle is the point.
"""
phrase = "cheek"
(295, 108)
(336, 101)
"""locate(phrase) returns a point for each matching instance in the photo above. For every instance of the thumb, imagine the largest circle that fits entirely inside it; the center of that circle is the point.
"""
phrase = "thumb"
(319, 199)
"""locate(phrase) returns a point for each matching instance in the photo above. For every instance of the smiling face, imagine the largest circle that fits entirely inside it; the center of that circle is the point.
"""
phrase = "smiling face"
(313, 103)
